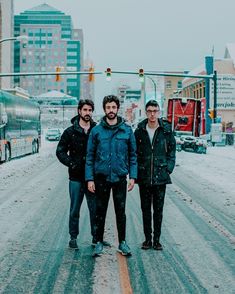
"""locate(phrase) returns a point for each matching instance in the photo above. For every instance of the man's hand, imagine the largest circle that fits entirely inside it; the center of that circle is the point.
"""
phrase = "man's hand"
(91, 186)
(131, 184)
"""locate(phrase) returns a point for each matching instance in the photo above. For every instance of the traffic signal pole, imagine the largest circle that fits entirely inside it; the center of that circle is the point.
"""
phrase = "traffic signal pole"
(215, 96)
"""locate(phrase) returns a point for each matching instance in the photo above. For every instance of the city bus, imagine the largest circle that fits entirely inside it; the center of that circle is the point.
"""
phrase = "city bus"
(20, 127)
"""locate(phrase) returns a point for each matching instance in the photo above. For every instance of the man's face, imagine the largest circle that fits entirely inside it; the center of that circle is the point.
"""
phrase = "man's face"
(152, 113)
(85, 112)
(111, 110)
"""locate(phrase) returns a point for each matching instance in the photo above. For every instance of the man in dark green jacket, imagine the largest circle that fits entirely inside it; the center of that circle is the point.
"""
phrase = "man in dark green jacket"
(156, 160)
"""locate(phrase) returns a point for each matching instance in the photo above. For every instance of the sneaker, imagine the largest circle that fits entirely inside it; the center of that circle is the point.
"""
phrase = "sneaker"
(157, 246)
(73, 244)
(105, 243)
(124, 249)
(147, 244)
(98, 249)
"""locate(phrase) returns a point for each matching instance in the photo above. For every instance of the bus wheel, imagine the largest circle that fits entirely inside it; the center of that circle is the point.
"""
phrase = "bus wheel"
(7, 153)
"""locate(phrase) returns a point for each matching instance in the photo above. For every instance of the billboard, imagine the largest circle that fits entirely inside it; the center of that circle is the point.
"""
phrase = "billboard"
(225, 92)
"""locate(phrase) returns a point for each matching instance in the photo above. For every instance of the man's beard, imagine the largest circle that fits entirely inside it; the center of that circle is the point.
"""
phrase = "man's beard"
(86, 118)
(111, 115)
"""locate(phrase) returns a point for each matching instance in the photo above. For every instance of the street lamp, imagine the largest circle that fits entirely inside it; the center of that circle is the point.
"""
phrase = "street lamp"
(18, 38)
(155, 87)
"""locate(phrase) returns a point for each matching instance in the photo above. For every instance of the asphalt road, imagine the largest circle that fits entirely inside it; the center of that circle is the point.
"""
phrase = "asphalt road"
(197, 236)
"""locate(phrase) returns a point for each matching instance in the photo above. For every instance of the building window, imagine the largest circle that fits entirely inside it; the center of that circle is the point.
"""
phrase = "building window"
(179, 85)
(168, 85)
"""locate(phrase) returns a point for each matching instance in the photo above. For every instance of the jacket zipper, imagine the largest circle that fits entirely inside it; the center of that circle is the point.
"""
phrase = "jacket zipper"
(151, 171)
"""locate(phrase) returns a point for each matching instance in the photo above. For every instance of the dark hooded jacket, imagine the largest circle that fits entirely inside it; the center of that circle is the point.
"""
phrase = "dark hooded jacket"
(156, 161)
(71, 149)
(111, 152)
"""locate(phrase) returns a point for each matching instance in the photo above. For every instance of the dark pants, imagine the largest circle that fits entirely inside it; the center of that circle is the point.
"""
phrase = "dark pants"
(103, 189)
(152, 196)
(77, 190)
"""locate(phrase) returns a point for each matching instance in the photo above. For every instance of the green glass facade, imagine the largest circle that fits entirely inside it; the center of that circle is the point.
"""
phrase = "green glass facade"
(51, 44)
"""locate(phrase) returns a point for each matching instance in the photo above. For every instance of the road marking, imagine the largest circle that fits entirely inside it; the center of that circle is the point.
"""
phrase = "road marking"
(124, 275)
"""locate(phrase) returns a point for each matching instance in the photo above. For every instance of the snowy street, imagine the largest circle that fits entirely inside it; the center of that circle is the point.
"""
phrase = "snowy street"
(198, 233)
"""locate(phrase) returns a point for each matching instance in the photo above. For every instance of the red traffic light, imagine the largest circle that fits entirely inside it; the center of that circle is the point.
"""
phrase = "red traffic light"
(108, 74)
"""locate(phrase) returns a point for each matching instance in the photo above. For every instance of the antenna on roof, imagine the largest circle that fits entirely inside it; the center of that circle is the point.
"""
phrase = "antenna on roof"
(213, 51)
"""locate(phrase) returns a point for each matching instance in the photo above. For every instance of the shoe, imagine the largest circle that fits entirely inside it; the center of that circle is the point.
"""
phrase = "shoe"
(98, 249)
(147, 244)
(105, 243)
(157, 246)
(73, 244)
(124, 249)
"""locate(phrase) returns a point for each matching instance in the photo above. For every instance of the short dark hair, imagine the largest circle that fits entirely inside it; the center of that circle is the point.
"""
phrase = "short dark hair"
(83, 102)
(151, 103)
(109, 99)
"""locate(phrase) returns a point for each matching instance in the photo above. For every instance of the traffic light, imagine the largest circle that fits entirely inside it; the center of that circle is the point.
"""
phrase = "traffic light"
(108, 74)
(211, 113)
(58, 77)
(141, 75)
(91, 77)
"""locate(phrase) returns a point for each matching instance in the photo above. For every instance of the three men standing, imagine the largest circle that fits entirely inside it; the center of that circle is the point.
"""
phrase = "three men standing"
(111, 156)
(156, 149)
(71, 151)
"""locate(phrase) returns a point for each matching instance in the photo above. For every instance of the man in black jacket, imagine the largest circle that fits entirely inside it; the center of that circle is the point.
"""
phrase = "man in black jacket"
(156, 160)
(71, 151)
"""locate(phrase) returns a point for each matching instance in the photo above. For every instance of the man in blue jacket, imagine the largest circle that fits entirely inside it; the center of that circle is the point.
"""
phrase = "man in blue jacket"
(111, 156)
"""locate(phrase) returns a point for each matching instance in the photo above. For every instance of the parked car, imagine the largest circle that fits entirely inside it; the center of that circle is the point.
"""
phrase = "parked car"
(53, 134)
(179, 143)
(195, 144)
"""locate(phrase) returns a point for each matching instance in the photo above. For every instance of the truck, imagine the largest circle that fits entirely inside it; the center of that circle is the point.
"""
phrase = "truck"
(20, 126)
(187, 118)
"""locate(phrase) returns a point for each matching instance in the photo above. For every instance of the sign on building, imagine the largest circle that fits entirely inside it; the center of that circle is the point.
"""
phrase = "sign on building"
(225, 92)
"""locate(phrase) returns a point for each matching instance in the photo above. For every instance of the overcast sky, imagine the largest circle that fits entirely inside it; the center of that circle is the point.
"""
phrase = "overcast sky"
(153, 34)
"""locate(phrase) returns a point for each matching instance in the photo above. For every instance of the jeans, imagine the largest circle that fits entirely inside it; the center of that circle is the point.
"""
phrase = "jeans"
(152, 196)
(103, 189)
(77, 190)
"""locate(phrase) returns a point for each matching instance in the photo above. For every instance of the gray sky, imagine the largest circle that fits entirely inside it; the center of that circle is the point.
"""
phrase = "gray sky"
(153, 34)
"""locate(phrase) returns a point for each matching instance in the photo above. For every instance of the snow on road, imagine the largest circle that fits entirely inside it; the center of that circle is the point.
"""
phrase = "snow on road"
(203, 190)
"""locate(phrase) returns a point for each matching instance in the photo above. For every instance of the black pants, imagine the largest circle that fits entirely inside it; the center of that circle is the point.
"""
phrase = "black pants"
(152, 196)
(102, 190)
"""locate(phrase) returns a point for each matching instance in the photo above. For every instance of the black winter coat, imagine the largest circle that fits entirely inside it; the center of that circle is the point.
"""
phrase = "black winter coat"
(156, 161)
(71, 149)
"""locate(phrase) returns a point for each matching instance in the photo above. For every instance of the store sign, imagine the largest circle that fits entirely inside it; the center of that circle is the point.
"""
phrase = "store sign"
(225, 92)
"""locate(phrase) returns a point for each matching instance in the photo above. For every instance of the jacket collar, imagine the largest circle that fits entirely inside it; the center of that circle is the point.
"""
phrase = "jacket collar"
(162, 124)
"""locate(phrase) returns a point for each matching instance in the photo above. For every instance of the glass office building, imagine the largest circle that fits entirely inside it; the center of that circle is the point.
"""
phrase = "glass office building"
(52, 43)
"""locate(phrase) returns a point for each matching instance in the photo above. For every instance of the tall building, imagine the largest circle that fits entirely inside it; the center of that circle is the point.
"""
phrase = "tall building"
(6, 48)
(52, 43)
(88, 81)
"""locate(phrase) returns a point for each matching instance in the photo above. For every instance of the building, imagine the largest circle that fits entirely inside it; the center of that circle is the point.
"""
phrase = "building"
(196, 87)
(88, 81)
(6, 48)
(172, 84)
(53, 44)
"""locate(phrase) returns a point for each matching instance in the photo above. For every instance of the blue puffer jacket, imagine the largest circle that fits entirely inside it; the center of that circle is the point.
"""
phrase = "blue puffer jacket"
(111, 152)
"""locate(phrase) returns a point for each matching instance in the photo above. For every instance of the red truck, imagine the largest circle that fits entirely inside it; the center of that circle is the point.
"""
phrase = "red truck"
(187, 117)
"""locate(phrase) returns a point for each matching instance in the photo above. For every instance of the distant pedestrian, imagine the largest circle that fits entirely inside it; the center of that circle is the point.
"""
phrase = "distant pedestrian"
(156, 160)
(71, 151)
(111, 156)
